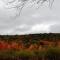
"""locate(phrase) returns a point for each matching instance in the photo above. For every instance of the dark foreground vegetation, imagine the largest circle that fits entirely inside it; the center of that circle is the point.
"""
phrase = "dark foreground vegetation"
(49, 54)
(30, 47)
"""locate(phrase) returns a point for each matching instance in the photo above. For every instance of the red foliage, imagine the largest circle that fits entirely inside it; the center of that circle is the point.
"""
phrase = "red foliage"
(12, 45)
(19, 46)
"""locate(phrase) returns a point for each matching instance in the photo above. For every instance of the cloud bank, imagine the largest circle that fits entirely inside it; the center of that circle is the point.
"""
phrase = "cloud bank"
(31, 20)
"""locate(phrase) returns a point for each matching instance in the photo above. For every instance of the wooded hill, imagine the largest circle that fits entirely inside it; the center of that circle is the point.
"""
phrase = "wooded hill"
(45, 36)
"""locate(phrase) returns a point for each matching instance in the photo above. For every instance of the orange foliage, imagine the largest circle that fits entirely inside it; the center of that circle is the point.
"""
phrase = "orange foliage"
(32, 47)
(19, 46)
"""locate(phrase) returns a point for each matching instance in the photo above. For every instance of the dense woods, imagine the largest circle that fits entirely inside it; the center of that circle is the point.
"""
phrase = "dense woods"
(42, 36)
(30, 47)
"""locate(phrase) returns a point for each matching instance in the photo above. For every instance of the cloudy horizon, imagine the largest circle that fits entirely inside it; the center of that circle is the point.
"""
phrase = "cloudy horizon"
(31, 20)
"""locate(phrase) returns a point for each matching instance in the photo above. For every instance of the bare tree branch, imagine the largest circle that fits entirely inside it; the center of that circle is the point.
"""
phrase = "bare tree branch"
(20, 4)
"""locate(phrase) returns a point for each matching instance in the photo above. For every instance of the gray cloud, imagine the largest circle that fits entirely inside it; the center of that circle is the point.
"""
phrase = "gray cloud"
(31, 20)
(55, 28)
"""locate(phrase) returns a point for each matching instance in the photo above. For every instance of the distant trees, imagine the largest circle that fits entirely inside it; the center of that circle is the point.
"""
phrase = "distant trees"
(34, 39)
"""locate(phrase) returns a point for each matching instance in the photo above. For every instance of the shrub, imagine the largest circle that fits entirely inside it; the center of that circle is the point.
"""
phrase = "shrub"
(53, 53)
(14, 54)
(7, 54)
(25, 53)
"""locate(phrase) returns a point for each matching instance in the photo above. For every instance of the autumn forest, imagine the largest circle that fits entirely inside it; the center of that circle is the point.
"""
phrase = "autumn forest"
(30, 47)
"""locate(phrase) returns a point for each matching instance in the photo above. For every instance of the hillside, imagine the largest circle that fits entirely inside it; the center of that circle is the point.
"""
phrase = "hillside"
(30, 47)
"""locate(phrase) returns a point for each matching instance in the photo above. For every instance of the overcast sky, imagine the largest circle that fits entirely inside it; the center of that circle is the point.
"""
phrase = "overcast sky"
(31, 20)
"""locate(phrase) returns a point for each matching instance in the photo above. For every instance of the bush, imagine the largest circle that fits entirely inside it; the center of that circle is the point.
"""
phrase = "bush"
(13, 54)
(41, 53)
(53, 53)
(8, 54)
(25, 53)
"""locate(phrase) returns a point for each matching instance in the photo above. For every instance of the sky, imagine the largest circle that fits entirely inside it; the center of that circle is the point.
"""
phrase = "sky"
(31, 19)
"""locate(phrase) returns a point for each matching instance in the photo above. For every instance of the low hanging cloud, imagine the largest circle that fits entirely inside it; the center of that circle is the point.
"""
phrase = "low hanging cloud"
(40, 28)
(29, 29)
(55, 28)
